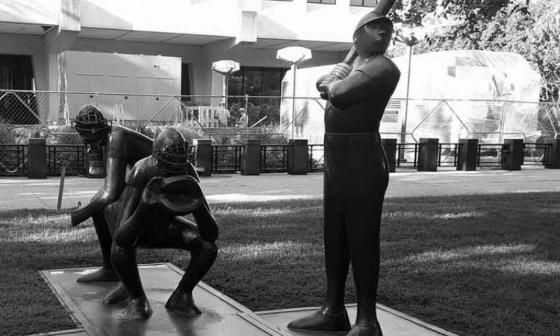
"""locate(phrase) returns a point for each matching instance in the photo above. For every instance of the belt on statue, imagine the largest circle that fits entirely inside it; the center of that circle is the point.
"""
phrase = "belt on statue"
(351, 134)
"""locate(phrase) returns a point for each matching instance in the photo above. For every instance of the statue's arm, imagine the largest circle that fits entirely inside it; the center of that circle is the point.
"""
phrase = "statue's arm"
(128, 226)
(128, 230)
(376, 78)
(206, 222)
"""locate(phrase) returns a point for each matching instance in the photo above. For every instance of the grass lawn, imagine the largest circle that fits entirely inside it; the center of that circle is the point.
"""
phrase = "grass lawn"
(474, 265)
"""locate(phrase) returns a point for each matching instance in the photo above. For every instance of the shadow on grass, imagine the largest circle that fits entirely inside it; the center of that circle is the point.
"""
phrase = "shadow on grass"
(475, 265)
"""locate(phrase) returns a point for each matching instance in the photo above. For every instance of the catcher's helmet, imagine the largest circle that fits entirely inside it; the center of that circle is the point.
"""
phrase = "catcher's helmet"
(91, 124)
(170, 150)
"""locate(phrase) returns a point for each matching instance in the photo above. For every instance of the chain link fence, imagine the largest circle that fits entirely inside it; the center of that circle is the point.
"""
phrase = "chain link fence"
(232, 119)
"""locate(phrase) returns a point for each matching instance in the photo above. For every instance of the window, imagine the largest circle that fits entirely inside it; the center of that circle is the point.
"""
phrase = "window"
(185, 82)
(324, 2)
(255, 82)
(363, 3)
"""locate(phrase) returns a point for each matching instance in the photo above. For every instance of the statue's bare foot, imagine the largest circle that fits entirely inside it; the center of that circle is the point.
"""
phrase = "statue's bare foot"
(102, 274)
(182, 303)
(358, 330)
(138, 309)
(118, 294)
(322, 320)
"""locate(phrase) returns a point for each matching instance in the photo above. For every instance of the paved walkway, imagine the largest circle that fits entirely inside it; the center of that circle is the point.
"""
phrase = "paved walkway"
(21, 193)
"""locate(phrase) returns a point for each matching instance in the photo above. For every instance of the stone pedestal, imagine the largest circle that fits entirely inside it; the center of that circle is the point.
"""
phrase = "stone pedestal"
(428, 154)
(298, 155)
(251, 157)
(466, 158)
(512, 154)
(37, 159)
(390, 147)
(552, 156)
(203, 156)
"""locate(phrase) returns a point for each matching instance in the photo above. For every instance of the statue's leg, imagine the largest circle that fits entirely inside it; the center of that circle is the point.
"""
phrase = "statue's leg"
(332, 316)
(124, 261)
(106, 272)
(364, 218)
(183, 234)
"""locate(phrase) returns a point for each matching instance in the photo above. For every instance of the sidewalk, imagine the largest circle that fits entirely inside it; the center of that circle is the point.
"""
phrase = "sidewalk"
(21, 193)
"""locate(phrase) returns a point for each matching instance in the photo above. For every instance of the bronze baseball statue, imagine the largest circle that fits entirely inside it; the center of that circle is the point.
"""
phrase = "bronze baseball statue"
(161, 189)
(356, 175)
(122, 147)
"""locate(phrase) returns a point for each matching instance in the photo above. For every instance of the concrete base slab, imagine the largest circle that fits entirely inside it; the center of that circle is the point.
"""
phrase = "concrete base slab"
(393, 323)
(220, 314)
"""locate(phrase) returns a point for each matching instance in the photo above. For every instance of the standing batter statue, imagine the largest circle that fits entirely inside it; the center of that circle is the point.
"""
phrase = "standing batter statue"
(356, 175)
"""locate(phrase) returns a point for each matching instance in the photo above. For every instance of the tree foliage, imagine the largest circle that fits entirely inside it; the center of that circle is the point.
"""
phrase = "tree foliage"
(530, 28)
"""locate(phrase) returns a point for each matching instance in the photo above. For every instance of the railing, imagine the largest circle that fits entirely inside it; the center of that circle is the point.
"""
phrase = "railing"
(13, 160)
(407, 155)
(274, 158)
(448, 154)
(226, 158)
(316, 158)
(489, 155)
(71, 156)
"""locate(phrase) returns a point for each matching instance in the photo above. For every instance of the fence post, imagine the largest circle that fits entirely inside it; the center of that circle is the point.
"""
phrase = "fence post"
(251, 157)
(466, 158)
(37, 158)
(390, 147)
(298, 153)
(203, 156)
(428, 154)
(512, 154)
(552, 157)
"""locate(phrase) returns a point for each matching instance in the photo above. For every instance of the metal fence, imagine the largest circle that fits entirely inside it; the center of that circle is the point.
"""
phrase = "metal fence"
(536, 153)
(490, 155)
(448, 154)
(316, 158)
(407, 155)
(73, 157)
(490, 121)
(274, 158)
(13, 160)
(226, 158)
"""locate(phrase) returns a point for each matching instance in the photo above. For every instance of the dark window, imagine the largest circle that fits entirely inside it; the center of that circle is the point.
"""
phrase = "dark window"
(324, 2)
(363, 3)
(185, 82)
(255, 82)
(16, 73)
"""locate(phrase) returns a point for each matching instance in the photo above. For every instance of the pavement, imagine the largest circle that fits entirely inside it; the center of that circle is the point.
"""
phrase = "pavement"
(23, 193)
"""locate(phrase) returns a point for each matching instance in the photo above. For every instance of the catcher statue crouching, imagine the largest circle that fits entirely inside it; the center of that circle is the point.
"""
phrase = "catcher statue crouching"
(161, 189)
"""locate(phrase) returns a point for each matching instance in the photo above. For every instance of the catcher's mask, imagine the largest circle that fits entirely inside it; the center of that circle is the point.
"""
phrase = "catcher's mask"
(170, 151)
(91, 124)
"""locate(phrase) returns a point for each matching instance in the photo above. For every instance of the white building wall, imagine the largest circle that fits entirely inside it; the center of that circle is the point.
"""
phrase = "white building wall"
(198, 32)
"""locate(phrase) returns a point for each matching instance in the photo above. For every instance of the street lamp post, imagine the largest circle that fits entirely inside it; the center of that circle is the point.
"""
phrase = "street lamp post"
(295, 56)
(406, 36)
(225, 68)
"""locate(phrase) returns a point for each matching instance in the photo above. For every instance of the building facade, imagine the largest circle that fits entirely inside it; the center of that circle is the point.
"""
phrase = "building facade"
(165, 46)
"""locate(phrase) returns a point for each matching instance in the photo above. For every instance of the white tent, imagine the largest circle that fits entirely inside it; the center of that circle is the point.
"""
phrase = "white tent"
(452, 94)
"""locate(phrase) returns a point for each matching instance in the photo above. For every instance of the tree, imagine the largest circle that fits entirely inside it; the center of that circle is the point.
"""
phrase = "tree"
(534, 32)
(530, 28)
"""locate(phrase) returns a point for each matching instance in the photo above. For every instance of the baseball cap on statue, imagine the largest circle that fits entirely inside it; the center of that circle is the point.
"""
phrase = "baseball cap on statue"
(379, 13)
